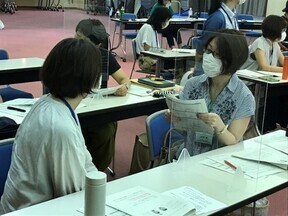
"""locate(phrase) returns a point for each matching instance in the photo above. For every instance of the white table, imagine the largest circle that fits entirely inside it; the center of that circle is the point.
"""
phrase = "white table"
(20, 70)
(217, 184)
(266, 89)
(169, 55)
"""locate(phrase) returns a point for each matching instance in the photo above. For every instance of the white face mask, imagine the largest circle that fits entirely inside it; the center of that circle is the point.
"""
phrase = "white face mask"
(168, 4)
(283, 36)
(211, 65)
(242, 2)
(165, 25)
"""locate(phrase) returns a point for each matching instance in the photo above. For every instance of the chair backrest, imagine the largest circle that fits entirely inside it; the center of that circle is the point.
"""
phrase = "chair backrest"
(156, 126)
(5, 160)
(245, 17)
(3, 54)
(129, 16)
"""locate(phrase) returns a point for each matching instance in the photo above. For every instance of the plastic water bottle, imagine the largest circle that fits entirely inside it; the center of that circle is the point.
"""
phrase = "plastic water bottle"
(122, 12)
(190, 13)
(95, 193)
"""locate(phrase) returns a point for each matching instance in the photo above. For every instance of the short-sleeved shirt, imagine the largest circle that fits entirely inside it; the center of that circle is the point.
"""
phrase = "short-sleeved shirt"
(271, 53)
(109, 66)
(146, 35)
(234, 102)
(49, 158)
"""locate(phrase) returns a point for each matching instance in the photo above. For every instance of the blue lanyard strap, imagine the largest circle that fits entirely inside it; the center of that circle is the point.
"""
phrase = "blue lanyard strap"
(235, 25)
(70, 109)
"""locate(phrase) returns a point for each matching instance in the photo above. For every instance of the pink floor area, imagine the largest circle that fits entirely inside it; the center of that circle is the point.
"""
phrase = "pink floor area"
(33, 33)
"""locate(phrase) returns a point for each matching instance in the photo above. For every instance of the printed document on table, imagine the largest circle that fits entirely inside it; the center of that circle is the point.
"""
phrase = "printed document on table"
(276, 140)
(202, 202)
(107, 91)
(264, 154)
(140, 201)
(109, 211)
(139, 90)
(184, 114)
(251, 169)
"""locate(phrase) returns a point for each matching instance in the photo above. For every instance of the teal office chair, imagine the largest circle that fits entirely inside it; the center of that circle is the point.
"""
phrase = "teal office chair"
(127, 35)
(5, 161)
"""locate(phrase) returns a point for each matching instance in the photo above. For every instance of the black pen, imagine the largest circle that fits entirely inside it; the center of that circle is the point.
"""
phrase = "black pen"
(16, 109)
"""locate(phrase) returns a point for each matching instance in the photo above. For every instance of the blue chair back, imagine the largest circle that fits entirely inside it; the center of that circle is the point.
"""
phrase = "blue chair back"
(9, 93)
(156, 126)
(3, 54)
(245, 17)
(5, 161)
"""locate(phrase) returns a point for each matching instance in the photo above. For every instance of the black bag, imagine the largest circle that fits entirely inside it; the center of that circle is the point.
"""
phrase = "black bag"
(8, 128)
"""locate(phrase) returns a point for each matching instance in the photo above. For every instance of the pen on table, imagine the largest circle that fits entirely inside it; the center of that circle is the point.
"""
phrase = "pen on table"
(16, 109)
(230, 164)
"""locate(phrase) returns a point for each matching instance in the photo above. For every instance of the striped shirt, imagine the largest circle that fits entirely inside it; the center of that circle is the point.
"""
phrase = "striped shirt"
(234, 102)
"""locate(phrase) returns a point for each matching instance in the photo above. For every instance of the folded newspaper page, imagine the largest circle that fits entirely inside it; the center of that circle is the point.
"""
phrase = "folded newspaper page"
(184, 114)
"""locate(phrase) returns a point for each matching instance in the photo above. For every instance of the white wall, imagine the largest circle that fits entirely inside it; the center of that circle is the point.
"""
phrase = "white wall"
(275, 7)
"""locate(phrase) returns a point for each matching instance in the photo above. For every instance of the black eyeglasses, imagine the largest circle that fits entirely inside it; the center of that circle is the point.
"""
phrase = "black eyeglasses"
(208, 50)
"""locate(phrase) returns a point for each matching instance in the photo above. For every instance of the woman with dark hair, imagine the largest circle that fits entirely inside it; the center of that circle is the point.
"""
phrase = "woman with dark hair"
(170, 33)
(229, 102)
(49, 156)
(264, 52)
(222, 15)
(147, 36)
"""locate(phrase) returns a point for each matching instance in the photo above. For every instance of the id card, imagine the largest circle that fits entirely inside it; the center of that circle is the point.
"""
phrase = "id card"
(204, 138)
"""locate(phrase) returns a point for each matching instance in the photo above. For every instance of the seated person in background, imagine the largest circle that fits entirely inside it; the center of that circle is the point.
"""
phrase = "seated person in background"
(169, 32)
(284, 45)
(230, 103)
(49, 156)
(264, 52)
(147, 36)
(100, 140)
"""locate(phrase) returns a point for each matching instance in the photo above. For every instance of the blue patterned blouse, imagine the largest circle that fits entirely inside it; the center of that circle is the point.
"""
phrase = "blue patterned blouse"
(234, 102)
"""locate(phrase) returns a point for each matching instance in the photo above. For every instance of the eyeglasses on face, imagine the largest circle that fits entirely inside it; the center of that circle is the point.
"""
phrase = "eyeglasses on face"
(209, 50)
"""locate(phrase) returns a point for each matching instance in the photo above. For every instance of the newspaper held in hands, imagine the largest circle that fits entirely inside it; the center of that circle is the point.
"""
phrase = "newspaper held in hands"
(184, 114)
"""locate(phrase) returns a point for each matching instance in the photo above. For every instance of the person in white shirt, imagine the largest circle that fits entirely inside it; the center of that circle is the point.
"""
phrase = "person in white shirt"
(49, 156)
(264, 52)
(147, 36)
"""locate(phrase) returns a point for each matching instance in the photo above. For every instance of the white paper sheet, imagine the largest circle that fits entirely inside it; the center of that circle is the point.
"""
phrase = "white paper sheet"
(202, 202)
(140, 201)
(251, 169)
(184, 114)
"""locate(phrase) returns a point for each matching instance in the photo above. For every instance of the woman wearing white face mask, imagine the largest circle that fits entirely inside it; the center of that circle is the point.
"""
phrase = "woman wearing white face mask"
(170, 32)
(230, 103)
(264, 52)
(222, 15)
(147, 36)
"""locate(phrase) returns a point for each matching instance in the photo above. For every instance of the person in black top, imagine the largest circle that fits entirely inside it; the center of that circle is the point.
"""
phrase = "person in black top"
(100, 140)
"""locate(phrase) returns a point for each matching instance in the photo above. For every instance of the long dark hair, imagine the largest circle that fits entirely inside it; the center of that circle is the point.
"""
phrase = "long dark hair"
(214, 5)
(158, 17)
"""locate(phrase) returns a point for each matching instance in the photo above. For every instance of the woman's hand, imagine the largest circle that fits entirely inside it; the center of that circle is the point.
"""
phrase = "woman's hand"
(121, 91)
(213, 120)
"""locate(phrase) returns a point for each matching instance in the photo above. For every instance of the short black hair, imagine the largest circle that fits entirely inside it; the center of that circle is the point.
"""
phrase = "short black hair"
(272, 27)
(72, 68)
(94, 30)
(232, 48)
(158, 17)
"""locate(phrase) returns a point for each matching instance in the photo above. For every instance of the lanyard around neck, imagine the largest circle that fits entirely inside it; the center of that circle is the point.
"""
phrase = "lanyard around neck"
(70, 108)
(235, 24)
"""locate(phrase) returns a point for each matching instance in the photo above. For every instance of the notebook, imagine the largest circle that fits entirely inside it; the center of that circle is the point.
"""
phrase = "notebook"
(156, 82)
